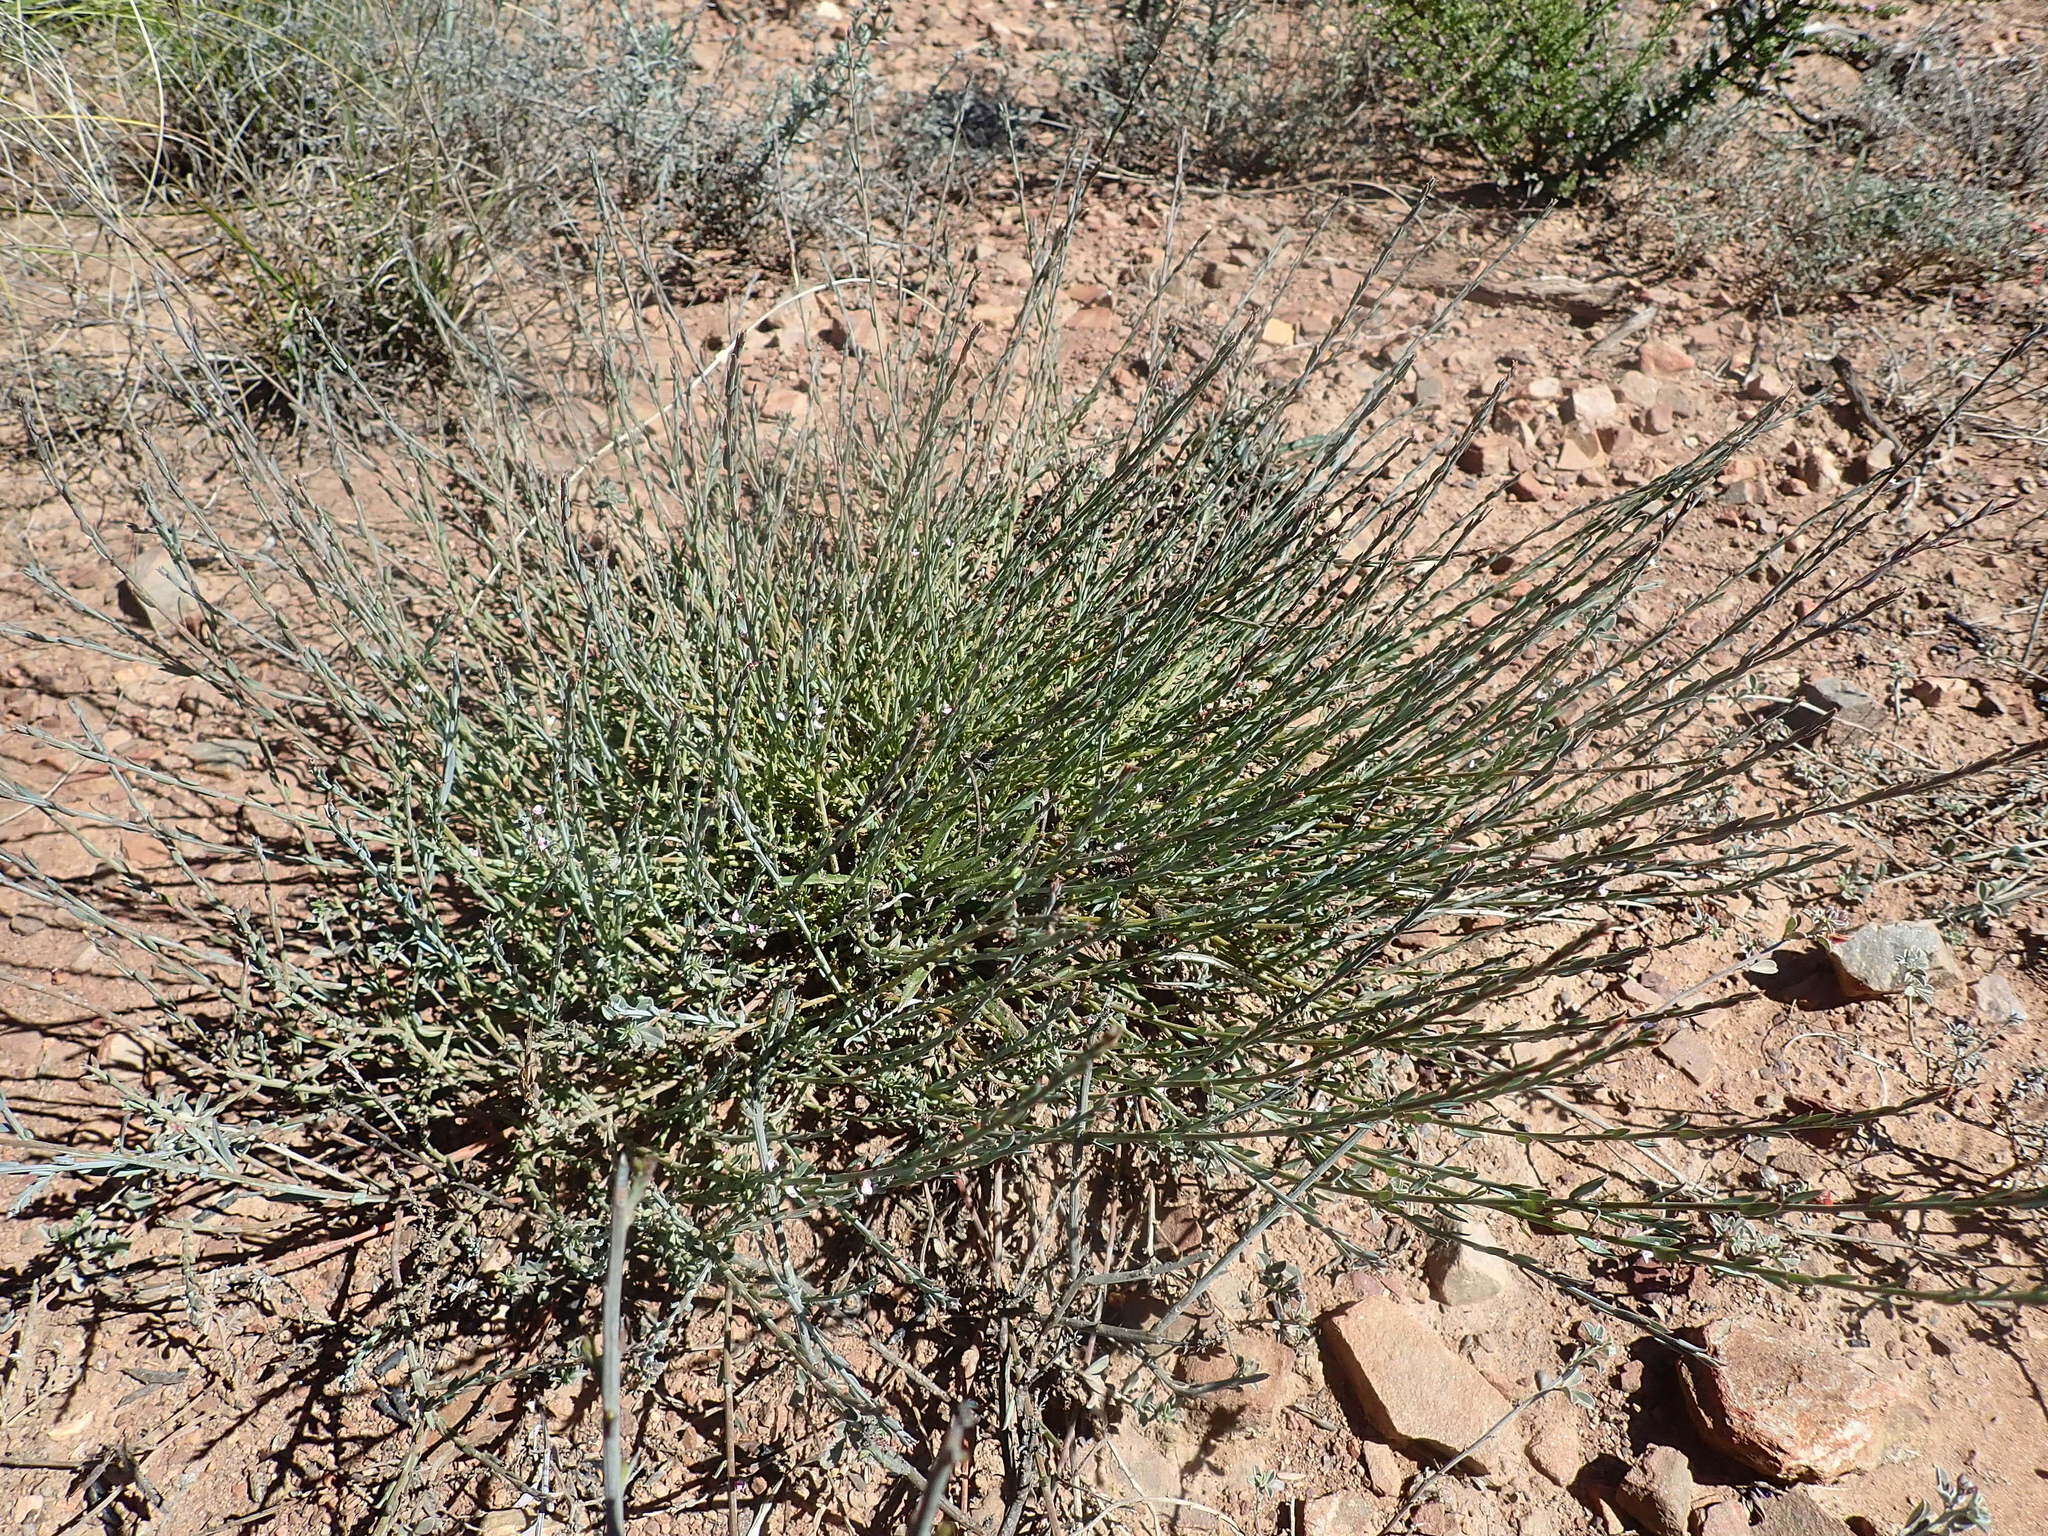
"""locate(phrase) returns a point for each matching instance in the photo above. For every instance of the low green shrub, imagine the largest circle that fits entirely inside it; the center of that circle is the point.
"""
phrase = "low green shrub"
(380, 294)
(1804, 232)
(820, 820)
(1984, 114)
(972, 794)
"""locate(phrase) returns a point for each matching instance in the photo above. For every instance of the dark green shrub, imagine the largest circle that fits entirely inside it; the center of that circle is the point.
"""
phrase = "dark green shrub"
(1550, 96)
(1555, 93)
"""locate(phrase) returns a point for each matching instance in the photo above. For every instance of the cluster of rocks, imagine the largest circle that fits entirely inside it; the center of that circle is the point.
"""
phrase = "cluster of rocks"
(1789, 1407)
(1551, 433)
(1836, 707)
(1603, 425)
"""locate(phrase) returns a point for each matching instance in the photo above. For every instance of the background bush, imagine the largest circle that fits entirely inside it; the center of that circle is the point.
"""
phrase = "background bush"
(1927, 171)
(1548, 97)
(382, 175)
(1247, 92)
(1554, 93)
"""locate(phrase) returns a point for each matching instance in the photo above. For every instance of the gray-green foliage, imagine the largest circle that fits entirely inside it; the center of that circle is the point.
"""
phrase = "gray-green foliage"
(1961, 1510)
(1933, 95)
(537, 109)
(381, 172)
(826, 818)
(1243, 91)
(1927, 171)
(876, 828)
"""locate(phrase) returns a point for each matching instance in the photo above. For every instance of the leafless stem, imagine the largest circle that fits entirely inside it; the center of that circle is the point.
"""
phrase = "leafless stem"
(628, 1185)
(942, 1469)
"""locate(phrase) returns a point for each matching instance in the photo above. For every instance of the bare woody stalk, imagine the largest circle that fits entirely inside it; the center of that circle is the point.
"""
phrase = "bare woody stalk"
(934, 1497)
(629, 1183)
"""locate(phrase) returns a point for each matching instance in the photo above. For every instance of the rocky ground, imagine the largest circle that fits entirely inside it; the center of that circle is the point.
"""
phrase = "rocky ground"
(1918, 961)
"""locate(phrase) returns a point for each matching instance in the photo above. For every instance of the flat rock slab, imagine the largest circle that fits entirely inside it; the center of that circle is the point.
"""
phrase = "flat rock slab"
(1794, 1407)
(1658, 1492)
(1884, 959)
(1343, 1514)
(1411, 1386)
(1462, 1275)
(1795, 1514)
(1724, 1519)
(1824, 702)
